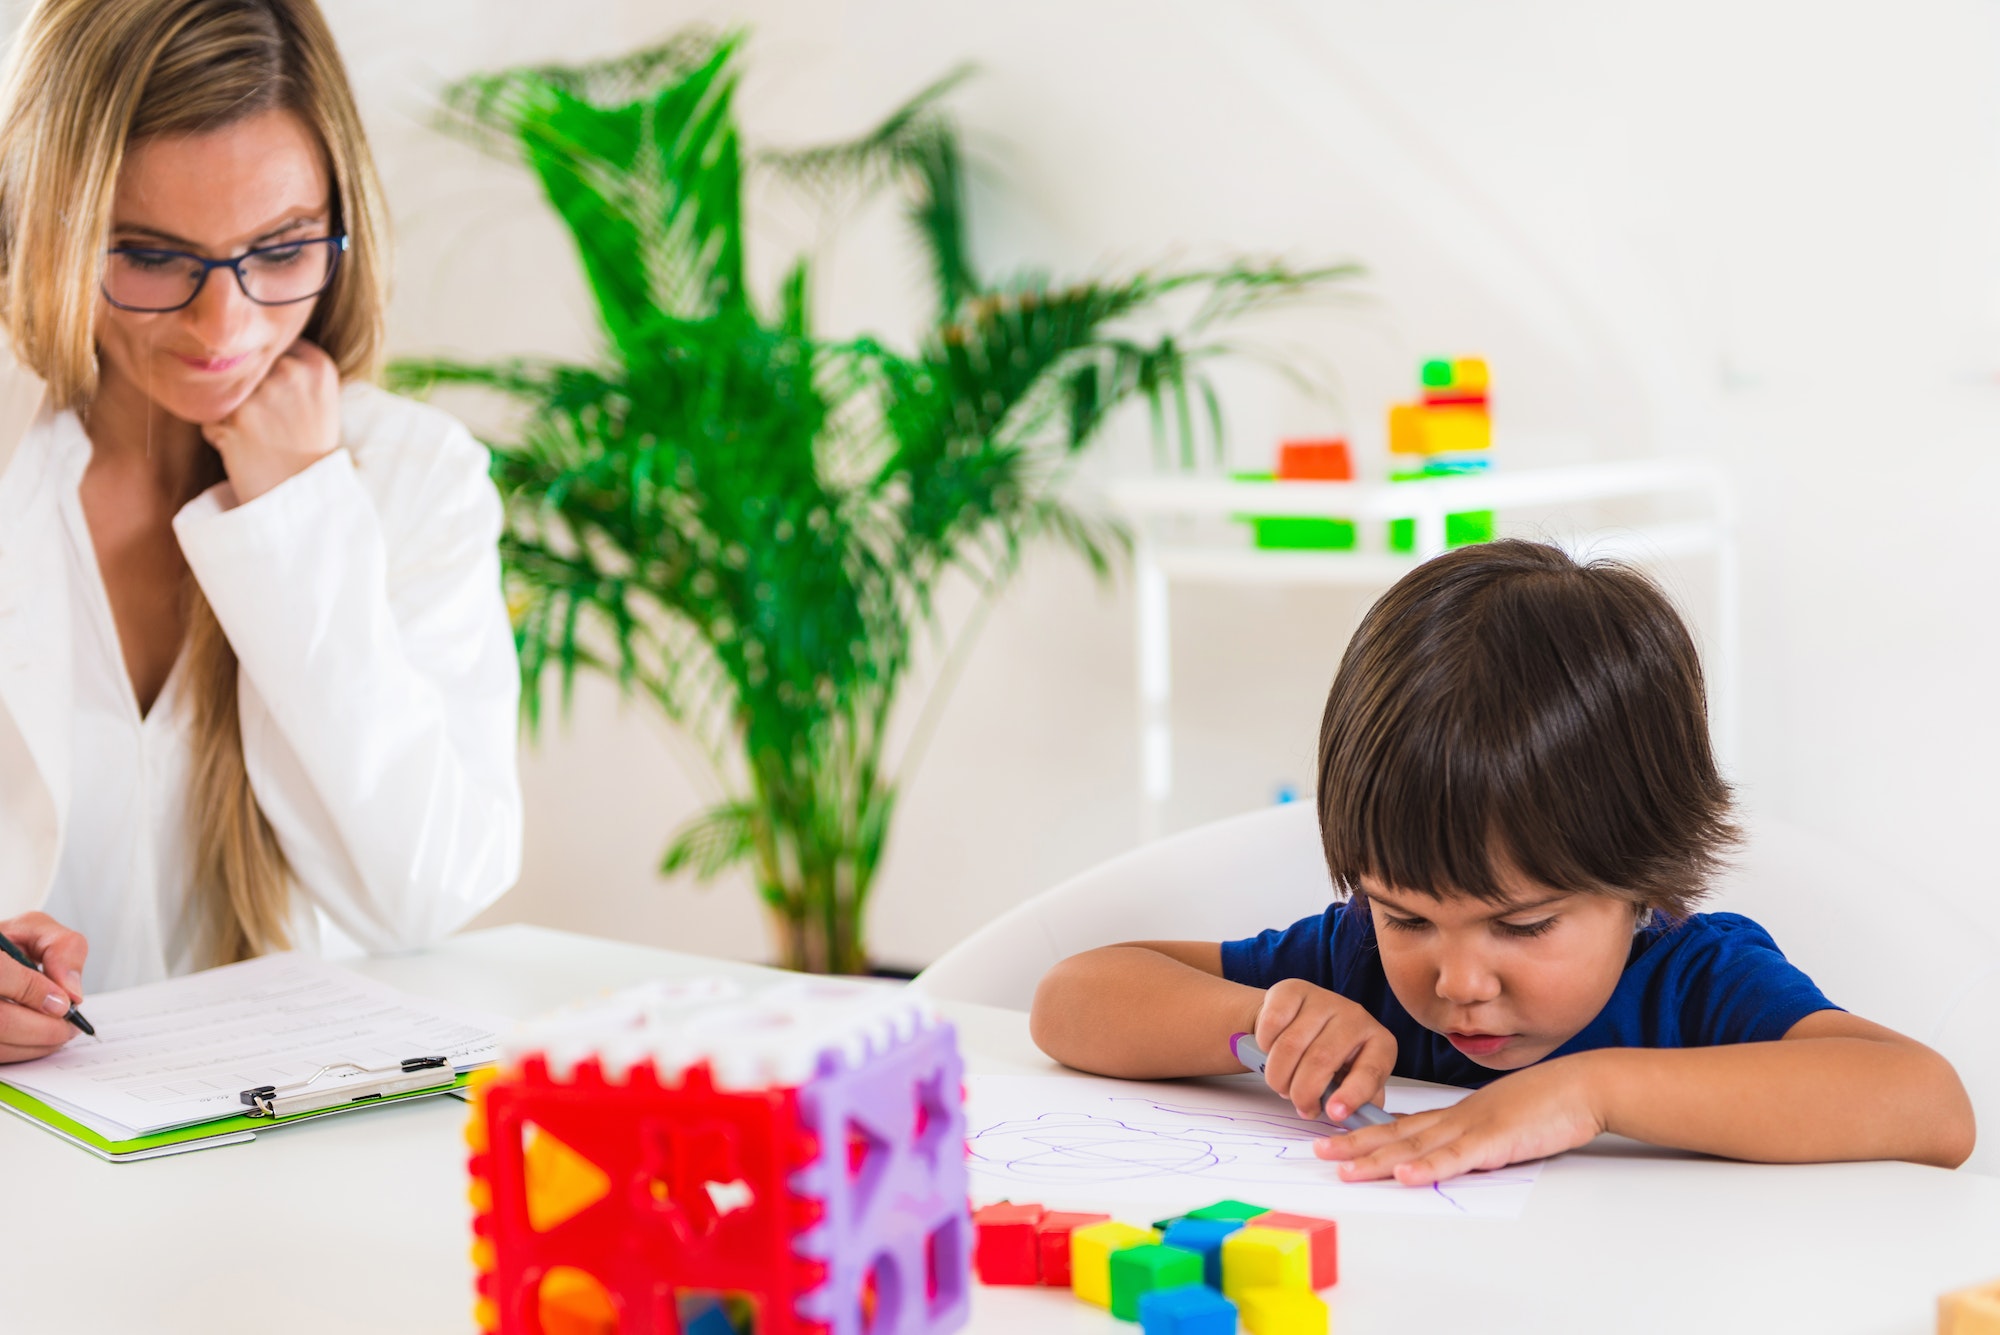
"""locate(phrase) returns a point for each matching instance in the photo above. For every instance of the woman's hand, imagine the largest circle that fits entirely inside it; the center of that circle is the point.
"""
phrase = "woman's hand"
(290, 422)
(1308, 1034)
(1530, 1114)
(33, 1025)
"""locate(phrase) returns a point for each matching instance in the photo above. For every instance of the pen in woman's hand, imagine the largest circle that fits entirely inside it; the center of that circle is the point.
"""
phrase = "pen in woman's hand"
(19, 956)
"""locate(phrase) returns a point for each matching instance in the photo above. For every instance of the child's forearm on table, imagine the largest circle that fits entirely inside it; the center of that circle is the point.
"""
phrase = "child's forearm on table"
(1806, 1100)
(1133, 1012)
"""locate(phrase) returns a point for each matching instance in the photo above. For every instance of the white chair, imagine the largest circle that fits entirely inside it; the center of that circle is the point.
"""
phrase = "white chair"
(1212, 883)
(1874, 944)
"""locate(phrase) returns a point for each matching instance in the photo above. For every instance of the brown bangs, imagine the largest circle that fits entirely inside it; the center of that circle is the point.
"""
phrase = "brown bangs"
(1505, 709)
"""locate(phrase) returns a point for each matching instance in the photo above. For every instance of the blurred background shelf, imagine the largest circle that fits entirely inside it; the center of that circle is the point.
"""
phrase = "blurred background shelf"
(1644, 511)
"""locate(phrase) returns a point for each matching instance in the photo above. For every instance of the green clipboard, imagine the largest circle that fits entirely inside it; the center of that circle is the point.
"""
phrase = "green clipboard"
(200, 1136)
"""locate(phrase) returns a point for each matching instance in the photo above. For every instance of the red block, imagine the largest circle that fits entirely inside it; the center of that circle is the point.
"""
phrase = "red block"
(1315, 461)
(1005, 1250)
(1321, 1238)
(1467, 398)
(1052, 1236)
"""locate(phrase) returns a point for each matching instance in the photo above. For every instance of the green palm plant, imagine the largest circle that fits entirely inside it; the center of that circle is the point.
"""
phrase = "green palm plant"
(748, 523)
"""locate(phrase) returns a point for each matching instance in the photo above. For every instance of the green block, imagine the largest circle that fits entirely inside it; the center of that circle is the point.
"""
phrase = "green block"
(1229, 1210)
(1437, 374)
(1300, 533)
(1294, 533)
(1460, 530)
(1164, 1224)
(1148, 1269)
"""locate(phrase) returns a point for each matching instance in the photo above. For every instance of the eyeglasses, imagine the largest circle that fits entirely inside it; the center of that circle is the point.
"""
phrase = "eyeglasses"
(139, 278)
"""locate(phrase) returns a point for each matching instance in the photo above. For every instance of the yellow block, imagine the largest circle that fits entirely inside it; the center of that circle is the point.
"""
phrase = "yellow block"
(1468, 373)
(1265, 1258)
(1457, 429)
(1974, 1311)
(1282, 1312)
(1090, 1249)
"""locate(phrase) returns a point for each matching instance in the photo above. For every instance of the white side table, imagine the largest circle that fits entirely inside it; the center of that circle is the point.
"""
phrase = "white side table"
(1160, 507)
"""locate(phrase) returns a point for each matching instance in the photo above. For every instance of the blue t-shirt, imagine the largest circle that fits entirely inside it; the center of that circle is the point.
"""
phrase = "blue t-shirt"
(1715, 978)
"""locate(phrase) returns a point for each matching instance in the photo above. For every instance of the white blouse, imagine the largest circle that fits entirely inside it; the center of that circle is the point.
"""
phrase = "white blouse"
(377, 693)
(128, 834)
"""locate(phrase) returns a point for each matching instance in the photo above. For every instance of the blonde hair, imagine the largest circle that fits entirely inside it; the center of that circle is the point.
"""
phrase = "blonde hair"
(87, 78)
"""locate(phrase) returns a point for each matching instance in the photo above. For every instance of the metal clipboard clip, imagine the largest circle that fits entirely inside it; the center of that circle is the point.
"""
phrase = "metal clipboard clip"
(414, 1073)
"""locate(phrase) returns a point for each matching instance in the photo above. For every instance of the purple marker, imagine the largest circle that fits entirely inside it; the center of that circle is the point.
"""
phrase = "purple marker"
(1245, 1048)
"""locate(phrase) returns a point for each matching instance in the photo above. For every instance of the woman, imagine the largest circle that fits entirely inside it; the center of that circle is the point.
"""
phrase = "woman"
(255, 666)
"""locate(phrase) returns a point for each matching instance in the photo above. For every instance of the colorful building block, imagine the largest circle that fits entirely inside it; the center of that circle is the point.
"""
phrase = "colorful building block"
(1315, 461)
(1204, 1238)
(1145, 1269)
(797, 1153)
(1229, 1210)
(1451, 416)
(1090, 1249)
(1457, 428)
(1194, 1310)
(1004, 1249)
(1974, 1311)
(1265, 1258)
(1279, 1311)
(1461, 529)
(1052, 1243)
(1406, 429)
(1301, 533)
(1322, 1238)
(1294, 532)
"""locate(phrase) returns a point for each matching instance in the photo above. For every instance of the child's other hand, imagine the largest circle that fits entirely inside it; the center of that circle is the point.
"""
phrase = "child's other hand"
(1530, 1114)
(1307, 1034)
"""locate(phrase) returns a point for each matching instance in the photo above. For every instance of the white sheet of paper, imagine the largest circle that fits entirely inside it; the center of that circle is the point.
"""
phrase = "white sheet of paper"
(178, 1052)
(1084, 1143)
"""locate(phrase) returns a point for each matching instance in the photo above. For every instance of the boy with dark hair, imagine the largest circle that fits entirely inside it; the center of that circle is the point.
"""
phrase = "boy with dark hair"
(1518, 799)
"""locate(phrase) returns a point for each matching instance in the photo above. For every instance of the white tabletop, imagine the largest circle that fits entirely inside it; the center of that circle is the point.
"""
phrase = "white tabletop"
(360, 1223)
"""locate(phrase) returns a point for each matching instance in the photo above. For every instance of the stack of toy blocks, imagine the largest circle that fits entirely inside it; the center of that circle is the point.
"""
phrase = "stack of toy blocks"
(1304, 461)
(1973, 1311)
(1189, 1275)
(685, 1159)
(1448, 432)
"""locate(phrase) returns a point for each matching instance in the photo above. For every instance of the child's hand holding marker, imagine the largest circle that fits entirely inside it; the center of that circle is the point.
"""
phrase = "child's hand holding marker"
(1310, 1037)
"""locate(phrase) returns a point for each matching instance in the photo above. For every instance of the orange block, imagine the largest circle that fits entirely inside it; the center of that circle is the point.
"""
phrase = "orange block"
(1315, 461)
(1406, 429)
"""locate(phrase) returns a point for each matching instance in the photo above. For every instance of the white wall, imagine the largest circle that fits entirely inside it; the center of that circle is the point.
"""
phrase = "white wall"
(1760, 230)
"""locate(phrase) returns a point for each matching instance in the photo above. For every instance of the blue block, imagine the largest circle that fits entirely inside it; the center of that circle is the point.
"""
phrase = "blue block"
(1194, 1310)
(1203, 1236)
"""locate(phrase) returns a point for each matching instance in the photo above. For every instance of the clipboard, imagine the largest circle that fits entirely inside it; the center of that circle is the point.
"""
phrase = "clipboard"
(195, 1061)
(202, 1135)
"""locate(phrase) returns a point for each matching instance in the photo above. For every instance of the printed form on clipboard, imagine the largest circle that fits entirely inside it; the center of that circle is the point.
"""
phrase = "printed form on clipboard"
(213, 1057)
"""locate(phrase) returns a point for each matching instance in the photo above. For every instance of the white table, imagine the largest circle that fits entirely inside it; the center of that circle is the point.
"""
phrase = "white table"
(359, 1224)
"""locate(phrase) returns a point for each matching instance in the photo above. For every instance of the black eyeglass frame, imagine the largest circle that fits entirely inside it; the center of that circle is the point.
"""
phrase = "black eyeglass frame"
(235, 266)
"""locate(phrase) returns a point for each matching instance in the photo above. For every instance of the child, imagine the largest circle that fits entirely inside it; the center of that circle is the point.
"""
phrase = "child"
(1517, 794)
